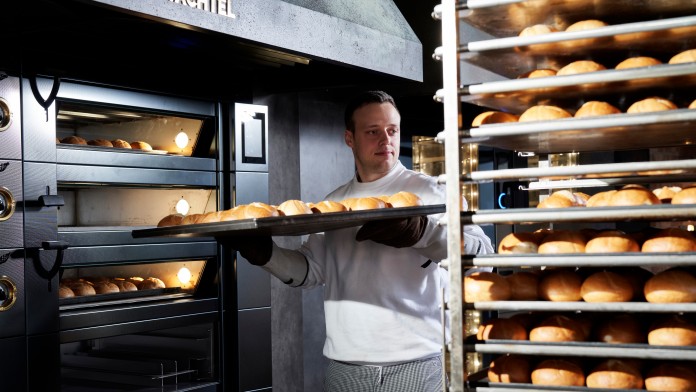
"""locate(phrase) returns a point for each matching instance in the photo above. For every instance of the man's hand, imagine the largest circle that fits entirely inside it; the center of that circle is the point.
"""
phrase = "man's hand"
(398, 233)
(256, 249)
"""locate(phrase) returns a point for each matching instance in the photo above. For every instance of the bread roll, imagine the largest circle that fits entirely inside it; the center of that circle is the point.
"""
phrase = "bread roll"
(510, 369)
(255, 210)
(294, 207)
(606, 286)
(580, 66)
(671, 376)
(363, 203)
(523, 286)
(543, 113)
(560, 285)
(637, 62)
(404, 199)
(523, 242)
(633, 196)
(210, 217)
(611, 241)
(666, 193)
(105, 288)
(73, 140)
(100, 143)
(539, 73)
(140, 145)
(120, 143)
(673, 330)
(485, 286)
(563, 241)
(231, 214)
(615, 374)
(692, 105)
(600, 199)
(687, 56)
(558, 328)
(501, 329)
(151, 283)
(670, 240)
(586, 25)
(493, 117)
(596, 108)
(136, 280)
(576, 199)
(685, 196)
(558, 372)
(328, 206)
(124, 285)
(65, 292)
(537, 29)
(621, 329)
(674, 285)
(170, 220)
(555, 202)
(191, 219)
(653, 104)
(82, 289)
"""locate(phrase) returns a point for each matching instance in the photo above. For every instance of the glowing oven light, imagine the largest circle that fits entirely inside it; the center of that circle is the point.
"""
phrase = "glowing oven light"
(690, 227)
(181, 140)
(184, 276)
(182, 207)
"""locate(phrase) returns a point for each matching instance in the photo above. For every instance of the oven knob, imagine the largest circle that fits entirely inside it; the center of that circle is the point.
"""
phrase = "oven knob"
(5, 115)
(7, 204)
(8, 293)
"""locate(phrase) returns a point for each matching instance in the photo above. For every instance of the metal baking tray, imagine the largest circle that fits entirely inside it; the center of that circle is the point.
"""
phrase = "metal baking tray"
(479, 386)
(613, 132)
(626, 259)
(574, 306)
(288, 225)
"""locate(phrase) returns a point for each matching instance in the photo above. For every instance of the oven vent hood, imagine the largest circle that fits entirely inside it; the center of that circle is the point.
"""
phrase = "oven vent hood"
(369, 34)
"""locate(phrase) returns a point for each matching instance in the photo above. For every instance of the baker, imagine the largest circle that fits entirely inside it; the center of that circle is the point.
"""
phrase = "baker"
(382, 282)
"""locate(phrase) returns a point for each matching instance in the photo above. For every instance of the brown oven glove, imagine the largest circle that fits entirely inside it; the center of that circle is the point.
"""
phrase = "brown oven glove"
(256, 249)
(397, 233)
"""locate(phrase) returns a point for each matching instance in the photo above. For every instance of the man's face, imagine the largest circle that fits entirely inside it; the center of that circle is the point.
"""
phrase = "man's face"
(375, 142)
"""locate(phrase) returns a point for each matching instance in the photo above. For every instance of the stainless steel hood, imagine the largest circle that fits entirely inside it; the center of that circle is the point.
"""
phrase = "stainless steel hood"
(368, 34)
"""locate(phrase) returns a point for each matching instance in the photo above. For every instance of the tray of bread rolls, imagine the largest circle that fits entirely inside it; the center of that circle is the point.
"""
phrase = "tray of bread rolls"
(292, 217)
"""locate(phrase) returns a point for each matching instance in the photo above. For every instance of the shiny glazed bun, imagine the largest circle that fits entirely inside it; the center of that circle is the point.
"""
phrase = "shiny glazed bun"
(539, 73)
(120, 143)
(596, 108)
(685, 196)
(105, 288)
(687, 56)
(666, 193)
(364, 203)
(637, 62)
(600, 199)
(653, 104)
(670, 240)
(543, 113)
(493, 117)
(170, 220)
(674, 285)
(673, 330)
(557, 328)
(560, 285)
(327, 206)
(294, 207)
(558, 372)
(523, 286)
(150, 284)
(65, 292)
(537, 29)
(620, 329)
(510, 369)
(633, 196)
(501, 329)
(611, 241)
(563, 241)
(124, 285)
(140, 145)
(523, 242)
(671, 376)
(580, 66)
(616, 374)
(73, 140)
(606, 286)
(485, 286)
(100, 143)
(404, 199)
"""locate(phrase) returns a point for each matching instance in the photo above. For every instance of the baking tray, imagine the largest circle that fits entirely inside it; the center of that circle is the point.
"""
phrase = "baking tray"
(288, 225)
(626, 259)
(574, 306)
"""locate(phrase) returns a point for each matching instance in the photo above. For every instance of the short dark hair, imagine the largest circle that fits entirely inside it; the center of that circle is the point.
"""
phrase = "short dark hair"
(362, 99)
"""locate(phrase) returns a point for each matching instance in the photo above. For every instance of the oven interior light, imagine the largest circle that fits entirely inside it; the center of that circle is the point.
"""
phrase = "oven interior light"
(182, 206)
(184, 276)
(690, 227)
(181, 140)
(81, 114)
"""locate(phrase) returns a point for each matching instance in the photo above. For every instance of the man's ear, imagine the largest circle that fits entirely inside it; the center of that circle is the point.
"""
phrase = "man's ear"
(348, 137)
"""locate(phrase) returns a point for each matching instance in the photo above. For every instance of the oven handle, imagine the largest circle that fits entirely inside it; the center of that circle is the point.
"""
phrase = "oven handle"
(48, 274)
(43, 201)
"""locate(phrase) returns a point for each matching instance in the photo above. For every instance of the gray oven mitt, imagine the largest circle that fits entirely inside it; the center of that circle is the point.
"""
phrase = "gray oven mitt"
(256, 249)
(397, 233)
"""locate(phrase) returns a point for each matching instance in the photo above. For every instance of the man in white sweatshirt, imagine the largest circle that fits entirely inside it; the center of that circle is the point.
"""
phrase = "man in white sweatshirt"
(382, 282)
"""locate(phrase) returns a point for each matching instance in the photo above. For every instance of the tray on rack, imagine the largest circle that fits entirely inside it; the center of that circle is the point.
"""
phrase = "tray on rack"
(288, 225)
(626, 259)
(573, 306)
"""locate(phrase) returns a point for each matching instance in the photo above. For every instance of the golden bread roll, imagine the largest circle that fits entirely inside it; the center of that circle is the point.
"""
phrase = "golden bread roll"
(611, 241)
(633, 196)
(100, 143)
(674, 285)
(294, 207)
(328, 206)
(522, 242)
(672, 330)
(563, 241)
(510, 369)
(170, 220)
(558, 372)
(120, 143)
(255, 210)
(580, 66)
(140, 145)
(687, 56)
(73, 140)
(671, 376)
(653, 104)
(685, 196)
(666, 193)
(151, 283)
(501, 329)
(494, 117)
(576, 199)
(606, 286)
(558, 328)
(537, 29)
(615, 374)
(586, 25)
(136, 280)
(65, 292)
(560, 285)
(596, 108)
(82, 289)
(485, 286)
(600, 199)
(105, 288)
(124, 285)
(620, 329)
(231, 214)
(210, 217)
(555, 202)
(538, 73)
(523, 286)
(404, 199)
(363, 203)
(543, 113)
(191, 219)
(637, 62)
(692, 105)
(670, 240)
